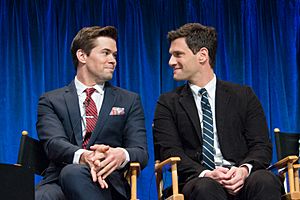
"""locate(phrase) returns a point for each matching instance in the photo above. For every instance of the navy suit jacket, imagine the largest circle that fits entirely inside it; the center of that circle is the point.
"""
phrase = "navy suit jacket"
(59, 129)
(241, 128)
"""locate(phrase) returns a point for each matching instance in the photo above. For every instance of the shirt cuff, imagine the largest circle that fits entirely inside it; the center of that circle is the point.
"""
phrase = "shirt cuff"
(77, 155)
(127, 159)
(249, 166)
(202, 174)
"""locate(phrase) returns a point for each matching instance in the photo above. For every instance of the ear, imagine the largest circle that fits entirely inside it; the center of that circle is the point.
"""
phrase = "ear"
(81, 56)
(202, 55)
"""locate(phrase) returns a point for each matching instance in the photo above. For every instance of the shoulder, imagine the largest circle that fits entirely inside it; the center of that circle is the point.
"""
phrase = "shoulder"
(233, 88)
(122, 95)
(238, 94)
(59, 93)
(176, 93)
(121, 91)
(56, 91)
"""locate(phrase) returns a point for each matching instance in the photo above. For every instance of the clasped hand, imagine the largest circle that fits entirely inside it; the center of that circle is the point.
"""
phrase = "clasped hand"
(102, 160)
(232, 179)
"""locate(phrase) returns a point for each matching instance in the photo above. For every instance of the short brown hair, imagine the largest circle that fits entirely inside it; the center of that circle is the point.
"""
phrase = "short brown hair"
(197, 36)
(85, 39)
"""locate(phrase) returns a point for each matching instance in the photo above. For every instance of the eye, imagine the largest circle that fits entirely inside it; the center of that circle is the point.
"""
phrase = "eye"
(177, 54)
(115, 55)
(106, 53)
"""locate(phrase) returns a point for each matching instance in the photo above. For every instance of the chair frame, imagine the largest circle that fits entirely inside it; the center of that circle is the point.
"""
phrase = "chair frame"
(288, 166)
(32, 156)
(159, 168)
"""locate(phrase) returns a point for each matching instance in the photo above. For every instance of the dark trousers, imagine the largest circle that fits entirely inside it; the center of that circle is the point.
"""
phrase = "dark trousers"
(260, 185)
(75, 182)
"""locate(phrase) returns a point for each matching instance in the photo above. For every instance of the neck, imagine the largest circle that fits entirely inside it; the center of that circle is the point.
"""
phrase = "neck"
(203, 78)
(86, 79)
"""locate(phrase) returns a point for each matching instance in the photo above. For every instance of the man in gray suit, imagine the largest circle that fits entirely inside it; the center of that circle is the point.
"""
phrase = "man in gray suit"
(90, 129)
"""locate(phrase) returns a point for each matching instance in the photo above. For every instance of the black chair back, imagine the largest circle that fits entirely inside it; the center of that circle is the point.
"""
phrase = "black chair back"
(286, 143)
(17, 182)
(32, 155)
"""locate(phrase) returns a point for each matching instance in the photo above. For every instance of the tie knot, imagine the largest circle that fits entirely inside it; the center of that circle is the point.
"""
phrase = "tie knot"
(202, 91)
(89, 91)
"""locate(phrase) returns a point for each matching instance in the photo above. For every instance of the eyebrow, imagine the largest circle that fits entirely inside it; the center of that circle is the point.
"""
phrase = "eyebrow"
(176, 52)
(107, 49)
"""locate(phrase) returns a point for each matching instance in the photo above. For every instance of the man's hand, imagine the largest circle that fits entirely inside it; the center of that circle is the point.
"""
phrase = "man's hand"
(218, 174)
(114, 158)
(235, 179)
(99, 150)
(86, 158)
(93, 159)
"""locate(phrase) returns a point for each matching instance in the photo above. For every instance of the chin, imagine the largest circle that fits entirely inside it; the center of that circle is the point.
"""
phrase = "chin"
(105, 78)
(176, 78)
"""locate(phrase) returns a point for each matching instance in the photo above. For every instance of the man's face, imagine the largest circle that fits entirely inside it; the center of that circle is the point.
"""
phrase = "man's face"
(101, 62)
(182, 60)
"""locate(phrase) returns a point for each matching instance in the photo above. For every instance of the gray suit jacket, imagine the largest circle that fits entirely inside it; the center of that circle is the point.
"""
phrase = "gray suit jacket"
(59, 129)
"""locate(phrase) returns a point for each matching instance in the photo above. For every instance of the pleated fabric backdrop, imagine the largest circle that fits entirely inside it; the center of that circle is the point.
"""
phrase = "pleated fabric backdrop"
(259, 45)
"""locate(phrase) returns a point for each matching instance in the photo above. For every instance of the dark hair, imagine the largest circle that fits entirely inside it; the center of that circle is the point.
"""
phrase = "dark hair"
(85, 39)
(197, 36)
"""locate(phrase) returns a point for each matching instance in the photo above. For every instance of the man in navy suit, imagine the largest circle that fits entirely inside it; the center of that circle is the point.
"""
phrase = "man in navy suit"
(217, 128)
(90, 129)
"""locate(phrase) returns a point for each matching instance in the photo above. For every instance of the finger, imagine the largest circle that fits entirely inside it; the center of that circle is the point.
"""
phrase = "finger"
(100, 147)
(238, 189)
(106, 161)
(107, 168)
(222, 169)
(106, 174)
(231, 173)
(102, 182)
(94, 174)
(97, 163)
(234, 186)
(98, 156)
(230, 182)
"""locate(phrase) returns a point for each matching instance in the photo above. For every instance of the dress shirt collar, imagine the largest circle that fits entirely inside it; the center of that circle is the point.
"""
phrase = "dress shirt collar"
(80, 87)
(210, 87)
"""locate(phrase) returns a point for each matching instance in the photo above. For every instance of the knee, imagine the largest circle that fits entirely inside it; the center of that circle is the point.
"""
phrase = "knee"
(263, 180)
(204, 188)
(72, 172)
(49, 192)
(203, 185)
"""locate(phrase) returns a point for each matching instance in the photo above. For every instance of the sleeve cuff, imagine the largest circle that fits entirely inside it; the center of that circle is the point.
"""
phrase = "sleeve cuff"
(127, 159)
(249, 166)
(77, 155)
(202, 174)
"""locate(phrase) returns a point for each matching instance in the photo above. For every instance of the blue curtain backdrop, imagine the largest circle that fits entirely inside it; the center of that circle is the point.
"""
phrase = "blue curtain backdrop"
(259, 45)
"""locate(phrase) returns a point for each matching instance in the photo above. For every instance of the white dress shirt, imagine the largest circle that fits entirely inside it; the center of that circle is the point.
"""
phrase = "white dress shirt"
(211, 94)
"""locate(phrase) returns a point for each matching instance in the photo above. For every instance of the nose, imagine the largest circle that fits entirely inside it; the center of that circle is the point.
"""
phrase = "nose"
(112, 59)
(172, 61)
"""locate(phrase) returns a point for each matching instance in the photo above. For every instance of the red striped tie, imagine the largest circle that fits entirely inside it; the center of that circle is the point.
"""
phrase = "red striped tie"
(91, 115)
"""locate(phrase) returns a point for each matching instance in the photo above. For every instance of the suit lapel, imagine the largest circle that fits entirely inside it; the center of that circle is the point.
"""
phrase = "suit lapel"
(222, 100)
(188, 103)
(72, 102)
(108, 102)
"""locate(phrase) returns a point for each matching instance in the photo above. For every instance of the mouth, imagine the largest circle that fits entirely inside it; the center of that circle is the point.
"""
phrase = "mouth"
(110, 68)
(176, 69)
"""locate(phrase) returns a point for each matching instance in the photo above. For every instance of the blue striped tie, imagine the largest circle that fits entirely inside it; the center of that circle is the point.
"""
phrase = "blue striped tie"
(208, 131)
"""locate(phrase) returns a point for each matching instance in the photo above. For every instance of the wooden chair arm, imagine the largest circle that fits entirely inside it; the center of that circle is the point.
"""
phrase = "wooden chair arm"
(133, 172)
(160, 165)
(167, 164)
(296, 166)
(283, 162)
